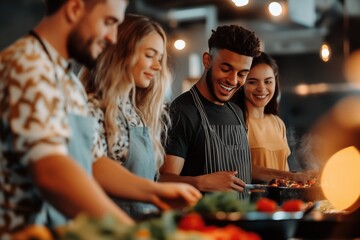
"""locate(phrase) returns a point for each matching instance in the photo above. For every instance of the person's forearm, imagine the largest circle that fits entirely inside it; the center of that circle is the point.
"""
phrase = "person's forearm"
(68, 188)
(194, 181)
(262, 174)
(118, 182)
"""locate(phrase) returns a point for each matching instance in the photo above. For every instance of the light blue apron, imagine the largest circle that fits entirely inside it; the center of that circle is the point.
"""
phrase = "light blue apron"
(79, 148)
(140, 161)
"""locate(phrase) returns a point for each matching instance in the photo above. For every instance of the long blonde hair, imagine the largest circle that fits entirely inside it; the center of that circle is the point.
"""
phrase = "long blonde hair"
(111, 78)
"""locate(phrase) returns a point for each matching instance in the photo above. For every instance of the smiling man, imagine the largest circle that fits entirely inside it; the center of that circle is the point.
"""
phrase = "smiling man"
(208, 144)
(48, 174)
(43, 114)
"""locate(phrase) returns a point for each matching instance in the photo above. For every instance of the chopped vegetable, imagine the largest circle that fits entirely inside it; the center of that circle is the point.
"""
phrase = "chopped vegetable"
(192, 221)
(224, 202)
(293, 205)
(266, 205)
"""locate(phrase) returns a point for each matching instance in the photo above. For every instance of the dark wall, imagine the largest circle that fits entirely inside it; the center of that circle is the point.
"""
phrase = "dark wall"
(17, 17)
(301, 112)
(308, 69)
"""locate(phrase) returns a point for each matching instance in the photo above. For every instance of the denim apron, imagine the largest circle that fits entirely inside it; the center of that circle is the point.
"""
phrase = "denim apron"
(79, 147)
(140, 161)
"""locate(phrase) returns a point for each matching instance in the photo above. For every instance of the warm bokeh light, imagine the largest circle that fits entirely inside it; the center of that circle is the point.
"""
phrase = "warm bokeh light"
(325, 52)
(179, 44)
(302, 89)
(305, 89)
(340, 179)
(347, 112)
(352, 67)
(275, 9)
(240, 3)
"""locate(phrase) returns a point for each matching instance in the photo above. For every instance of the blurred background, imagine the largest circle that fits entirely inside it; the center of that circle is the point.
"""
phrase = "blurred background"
(310, 39)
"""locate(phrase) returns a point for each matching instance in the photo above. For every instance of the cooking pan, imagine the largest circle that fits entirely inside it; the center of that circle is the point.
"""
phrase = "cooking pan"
(281, 194)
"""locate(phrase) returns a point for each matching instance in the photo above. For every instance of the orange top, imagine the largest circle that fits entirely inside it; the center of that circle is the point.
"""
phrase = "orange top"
(268, 142)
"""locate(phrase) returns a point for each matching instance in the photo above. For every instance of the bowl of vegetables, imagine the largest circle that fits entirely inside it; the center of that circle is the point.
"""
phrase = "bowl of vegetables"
(265, 216)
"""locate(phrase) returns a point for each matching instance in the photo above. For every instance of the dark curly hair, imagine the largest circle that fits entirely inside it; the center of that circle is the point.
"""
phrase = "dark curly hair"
(236, 39)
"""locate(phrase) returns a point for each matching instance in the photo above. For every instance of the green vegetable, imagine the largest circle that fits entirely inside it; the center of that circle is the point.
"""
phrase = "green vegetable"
(224, 202)
(108, 228)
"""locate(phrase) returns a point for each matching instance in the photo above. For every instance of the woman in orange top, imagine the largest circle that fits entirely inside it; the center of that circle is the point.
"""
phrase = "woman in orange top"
(258, 99)
(267, 132)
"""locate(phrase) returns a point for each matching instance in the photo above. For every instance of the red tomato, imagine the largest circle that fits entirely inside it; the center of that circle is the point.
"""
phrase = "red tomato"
(208, 229)
(253, 236)
(192, 221)
(293, 205)
(266, 205)
(229, 232)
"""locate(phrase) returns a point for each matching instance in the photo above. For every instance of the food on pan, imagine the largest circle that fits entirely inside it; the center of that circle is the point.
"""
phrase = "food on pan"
(282, 182)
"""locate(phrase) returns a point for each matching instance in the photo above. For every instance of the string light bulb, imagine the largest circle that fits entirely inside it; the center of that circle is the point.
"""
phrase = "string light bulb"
(275, 9)
(325, 52)
(179, 44)
(240, 3)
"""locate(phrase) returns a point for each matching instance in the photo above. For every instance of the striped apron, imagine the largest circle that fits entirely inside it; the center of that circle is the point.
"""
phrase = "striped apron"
(226, 146)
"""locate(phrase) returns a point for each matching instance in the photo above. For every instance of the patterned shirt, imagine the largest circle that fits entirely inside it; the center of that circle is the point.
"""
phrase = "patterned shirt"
(34, 93)
(119, 149)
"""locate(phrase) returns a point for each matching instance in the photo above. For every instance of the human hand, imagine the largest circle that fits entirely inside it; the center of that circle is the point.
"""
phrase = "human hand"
(221, 181)
(175, 195)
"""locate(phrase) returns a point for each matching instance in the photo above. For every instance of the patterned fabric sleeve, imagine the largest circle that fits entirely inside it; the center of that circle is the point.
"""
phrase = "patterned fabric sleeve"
(37, 121)
(100, 147)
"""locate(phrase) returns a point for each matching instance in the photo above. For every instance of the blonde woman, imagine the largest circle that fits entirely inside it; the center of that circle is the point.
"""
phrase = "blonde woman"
(126, 91)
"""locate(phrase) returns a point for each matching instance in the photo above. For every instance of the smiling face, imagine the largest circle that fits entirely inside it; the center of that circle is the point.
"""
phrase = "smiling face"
(95, 30)
(260, 86)
(226, 73)
(150, 53)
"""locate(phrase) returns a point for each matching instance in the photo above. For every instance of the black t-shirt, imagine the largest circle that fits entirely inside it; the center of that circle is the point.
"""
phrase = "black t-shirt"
(187, 137)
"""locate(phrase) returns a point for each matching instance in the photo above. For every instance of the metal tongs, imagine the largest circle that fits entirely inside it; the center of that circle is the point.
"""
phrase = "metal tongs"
(257, 186)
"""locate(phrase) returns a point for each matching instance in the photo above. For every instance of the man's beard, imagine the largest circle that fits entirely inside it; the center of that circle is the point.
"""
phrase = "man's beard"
(79, 50)
(210, 84)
